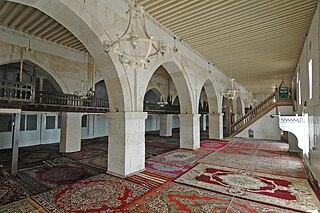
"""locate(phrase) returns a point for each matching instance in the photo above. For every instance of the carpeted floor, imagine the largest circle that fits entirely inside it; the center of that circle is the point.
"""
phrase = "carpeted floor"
(234, 175)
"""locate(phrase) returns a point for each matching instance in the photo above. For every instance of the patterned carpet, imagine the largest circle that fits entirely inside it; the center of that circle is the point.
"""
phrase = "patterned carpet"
(49, 176)
(170, 170)
(236, 175)
(181, 157)
(286, 192)
(96, 194)
(213, 144)
(11, 189)
(174, 197)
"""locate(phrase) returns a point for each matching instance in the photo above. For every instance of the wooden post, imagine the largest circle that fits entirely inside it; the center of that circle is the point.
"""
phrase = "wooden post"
(16, 117)
(21, 64)
(94, 75)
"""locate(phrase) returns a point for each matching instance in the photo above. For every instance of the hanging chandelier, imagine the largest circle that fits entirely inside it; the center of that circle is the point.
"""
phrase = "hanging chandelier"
(136, 47)
(162, 102)
(231, 93)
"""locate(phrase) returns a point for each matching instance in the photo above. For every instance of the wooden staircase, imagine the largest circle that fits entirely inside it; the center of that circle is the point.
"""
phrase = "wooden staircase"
(257, 112)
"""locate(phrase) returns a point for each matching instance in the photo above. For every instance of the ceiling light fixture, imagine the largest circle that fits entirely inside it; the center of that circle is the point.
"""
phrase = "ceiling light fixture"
(136, 47)
(231, 93)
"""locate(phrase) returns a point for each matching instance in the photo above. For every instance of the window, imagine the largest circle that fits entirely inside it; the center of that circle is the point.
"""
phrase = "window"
(50, 122)
(23, 123)
(299, 88)
(5, 121)
(84, 121)
(310, 78)
(32, 122)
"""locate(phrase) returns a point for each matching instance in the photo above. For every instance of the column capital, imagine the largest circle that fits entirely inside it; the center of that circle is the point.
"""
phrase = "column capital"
(127, 115)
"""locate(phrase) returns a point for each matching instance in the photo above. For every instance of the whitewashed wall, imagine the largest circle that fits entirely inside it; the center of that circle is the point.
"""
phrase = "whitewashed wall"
(267, 127)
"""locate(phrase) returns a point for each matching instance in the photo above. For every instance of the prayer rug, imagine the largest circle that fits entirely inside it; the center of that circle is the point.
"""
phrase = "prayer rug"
(213, 144)
(181, 157)
(99, 162)
(102, 193)
(286, 192)
(11, 190)
(31, 157)
(288, 165)
(166, 169)
(229, 160)
(25, 205)
(173, 197)
(149, 179)
(46, 177)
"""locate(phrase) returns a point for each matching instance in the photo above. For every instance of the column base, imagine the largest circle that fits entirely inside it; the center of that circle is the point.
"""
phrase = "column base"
(189, 131)
(216, 126)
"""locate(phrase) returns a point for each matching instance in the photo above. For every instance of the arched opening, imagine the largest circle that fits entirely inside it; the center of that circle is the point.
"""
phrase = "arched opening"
(162, 115)
(209, 111)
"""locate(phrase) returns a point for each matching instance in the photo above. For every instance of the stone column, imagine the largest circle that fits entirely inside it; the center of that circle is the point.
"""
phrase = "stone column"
(70, 132)
(126, 148)
(216, 126)
(166, 125)
(204, 121)
(16, 118)
(190, 131)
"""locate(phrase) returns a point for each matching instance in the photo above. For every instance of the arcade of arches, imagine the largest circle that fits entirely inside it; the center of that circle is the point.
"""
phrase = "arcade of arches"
(73, 114)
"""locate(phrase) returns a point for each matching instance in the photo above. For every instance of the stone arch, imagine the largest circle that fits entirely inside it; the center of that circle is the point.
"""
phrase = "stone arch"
(46, 68)
(90, 32)
(212, 96)
(180, 80)
(153, 91)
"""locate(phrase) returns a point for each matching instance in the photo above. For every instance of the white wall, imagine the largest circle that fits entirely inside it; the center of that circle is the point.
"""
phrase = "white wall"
(267, 127)
(311, 51)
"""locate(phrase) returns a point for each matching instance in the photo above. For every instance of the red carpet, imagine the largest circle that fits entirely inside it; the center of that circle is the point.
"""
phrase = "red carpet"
(174, 197)
(294, 193)
(102, 193)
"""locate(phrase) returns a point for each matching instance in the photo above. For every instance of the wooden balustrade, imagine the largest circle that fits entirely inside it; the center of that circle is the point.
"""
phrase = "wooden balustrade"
(16, 91)
(253, 114)
(69, 100)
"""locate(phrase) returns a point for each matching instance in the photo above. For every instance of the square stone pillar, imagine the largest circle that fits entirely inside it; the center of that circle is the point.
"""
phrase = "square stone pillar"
(166, 125)
(190, 131)
(204, 121)
(216, 126)
(126, 148)
(70, 132)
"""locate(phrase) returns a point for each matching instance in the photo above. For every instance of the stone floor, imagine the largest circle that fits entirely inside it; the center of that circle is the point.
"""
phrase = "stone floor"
(233, 175)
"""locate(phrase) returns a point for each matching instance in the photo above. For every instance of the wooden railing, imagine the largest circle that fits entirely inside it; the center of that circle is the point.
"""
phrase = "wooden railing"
(254, 114)
(69, 100)
(16, 91)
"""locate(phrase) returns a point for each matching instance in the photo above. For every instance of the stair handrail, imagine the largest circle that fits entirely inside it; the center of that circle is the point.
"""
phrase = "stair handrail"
(253, 113)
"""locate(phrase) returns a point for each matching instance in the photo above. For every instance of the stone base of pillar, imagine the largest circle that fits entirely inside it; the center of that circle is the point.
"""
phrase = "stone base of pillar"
(70, 132)
(166, 125)
(216, 126)
(190, 131)
(126, 142)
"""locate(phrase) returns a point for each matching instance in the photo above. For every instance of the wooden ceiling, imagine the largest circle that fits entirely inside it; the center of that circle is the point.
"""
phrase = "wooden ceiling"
(255, 41)
(31, 21)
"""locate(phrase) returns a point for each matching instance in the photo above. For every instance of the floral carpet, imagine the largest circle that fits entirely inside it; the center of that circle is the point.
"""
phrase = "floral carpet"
(213, 144)
(286, 192)
(102, 193)
(11, 190)
(238, 175)
(49, 176)
(166, 169)
(174, 197)
(181, 157)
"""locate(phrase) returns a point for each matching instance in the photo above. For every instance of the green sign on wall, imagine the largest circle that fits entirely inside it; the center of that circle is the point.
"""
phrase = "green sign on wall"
(283, 93)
